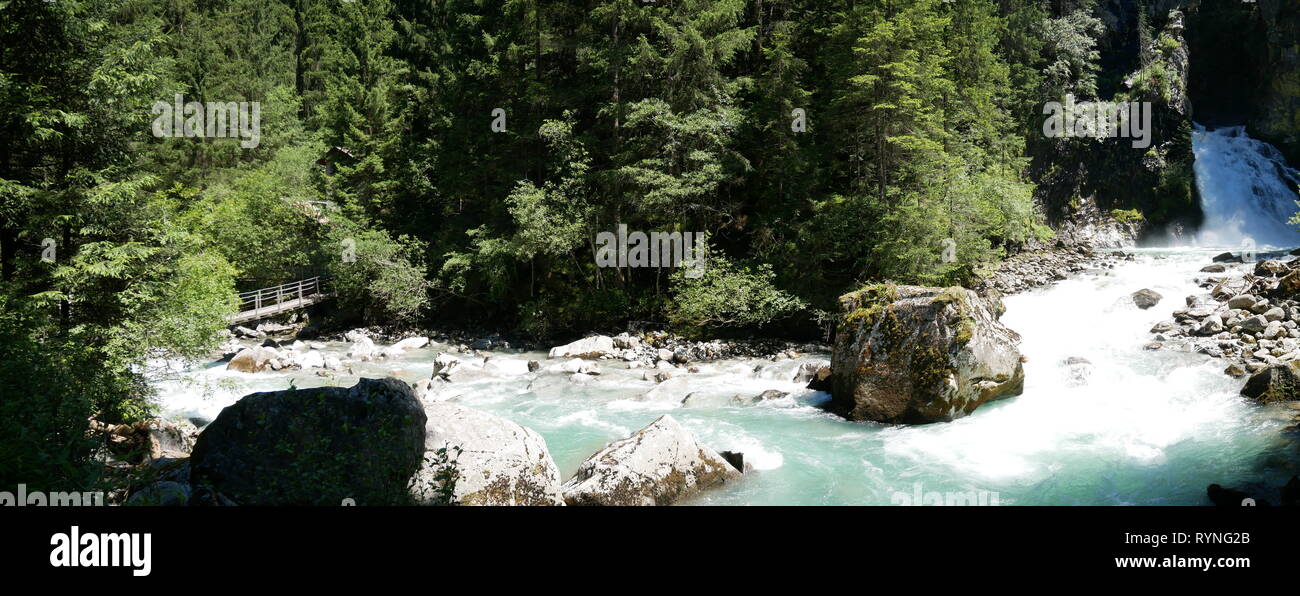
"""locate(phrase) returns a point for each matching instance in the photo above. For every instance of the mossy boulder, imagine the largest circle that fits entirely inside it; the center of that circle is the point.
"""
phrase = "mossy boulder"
(914, 355)
(660, 464)
(314, 446)
(1279, 382)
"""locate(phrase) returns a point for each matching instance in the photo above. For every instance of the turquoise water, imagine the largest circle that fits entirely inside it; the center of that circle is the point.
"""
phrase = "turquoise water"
(1144, 427)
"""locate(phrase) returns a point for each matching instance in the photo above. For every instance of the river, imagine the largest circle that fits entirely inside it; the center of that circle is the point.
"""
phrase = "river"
(1130, 427)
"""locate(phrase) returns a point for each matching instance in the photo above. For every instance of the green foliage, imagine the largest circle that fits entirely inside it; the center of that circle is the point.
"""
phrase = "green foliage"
(727, 294)
(871, 300)
(441, 490)
(1126, 215)
(380, 277)
(1071, 53)
(1167, 45)
(52, 387)
(267, 220)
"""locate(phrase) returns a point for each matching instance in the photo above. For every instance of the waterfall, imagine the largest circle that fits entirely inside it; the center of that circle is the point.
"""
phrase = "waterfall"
(1247, 191)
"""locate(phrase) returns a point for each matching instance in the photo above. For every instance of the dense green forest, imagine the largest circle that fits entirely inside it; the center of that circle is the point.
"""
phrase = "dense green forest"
(452, 161)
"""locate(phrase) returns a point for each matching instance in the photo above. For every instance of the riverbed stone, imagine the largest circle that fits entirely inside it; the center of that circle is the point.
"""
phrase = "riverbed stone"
(660, 464)
(1272, 330)
(1270, 268)
(411, 343)
(363, 348)
(1254, 324)
(1274, 383)
(251, 360)
(1146, 298)
(1241, 301)
(914, 355)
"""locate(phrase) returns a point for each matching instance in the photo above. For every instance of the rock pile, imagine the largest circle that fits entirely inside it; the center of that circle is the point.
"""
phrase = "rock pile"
(1033, 269)
(1250, 314)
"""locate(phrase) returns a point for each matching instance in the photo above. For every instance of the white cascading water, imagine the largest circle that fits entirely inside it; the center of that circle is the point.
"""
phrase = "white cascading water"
(1247, 190)
(1130, 426)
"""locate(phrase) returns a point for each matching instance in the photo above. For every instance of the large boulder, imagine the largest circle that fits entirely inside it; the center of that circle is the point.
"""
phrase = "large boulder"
(658, 465)
(588, 347)
(315, 446)
(1279, 382)
(252, 359)
(476, 458)
(914, 355)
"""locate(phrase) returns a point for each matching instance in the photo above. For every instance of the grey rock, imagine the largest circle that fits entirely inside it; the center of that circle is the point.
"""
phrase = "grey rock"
(1243, 301)
(587, 347)
(1146, 298)
(494, 461)
(660, 464)
(1254, 324)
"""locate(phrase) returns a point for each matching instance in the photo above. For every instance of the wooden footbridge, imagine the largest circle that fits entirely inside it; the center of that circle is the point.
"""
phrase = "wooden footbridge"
(266, 302)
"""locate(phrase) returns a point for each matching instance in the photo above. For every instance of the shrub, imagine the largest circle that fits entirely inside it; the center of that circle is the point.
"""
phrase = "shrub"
(728, 295)
(378, 278)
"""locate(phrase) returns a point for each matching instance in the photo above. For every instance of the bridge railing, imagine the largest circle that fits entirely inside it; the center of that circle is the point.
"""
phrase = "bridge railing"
(267, 298)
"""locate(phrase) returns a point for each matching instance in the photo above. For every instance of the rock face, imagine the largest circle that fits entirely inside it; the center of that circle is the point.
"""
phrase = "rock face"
(588, 347)
(914, 355)
(315, 446)
(495, 461)
(1277, 117)
(1089, 226)
(658, 465)
(1279, 382)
